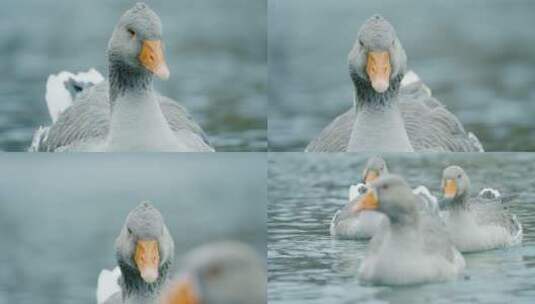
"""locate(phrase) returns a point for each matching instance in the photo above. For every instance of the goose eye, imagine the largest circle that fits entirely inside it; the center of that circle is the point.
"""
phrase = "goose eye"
(459, 176)
(129, 230)
(385, 187)
(361, 43)
(213, 271)
(131, 32)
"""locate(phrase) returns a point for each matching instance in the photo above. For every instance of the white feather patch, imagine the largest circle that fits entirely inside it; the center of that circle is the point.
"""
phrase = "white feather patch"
(356, 190)
(430, 200)
(108, 284)
(490, 193)
(57, 97)
(409, 78)
(40, 135)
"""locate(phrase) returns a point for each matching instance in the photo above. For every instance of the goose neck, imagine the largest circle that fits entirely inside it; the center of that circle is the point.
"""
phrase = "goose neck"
(405, 221)
(366, 96)
(379, 124)
(137, 122)
(125, 79)
(460, 203)
(135, 290)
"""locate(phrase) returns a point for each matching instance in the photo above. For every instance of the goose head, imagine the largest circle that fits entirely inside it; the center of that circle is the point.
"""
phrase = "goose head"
(136, 42)
(144, 249)
(377, 59)
(455, 186)
(391, 195)
(220, 273)
(375, 167)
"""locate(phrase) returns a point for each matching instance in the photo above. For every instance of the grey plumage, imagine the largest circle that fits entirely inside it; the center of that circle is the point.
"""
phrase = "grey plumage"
(411, 236)
(345, 224)
(224, 272)
(144, 222)
(424, 121)
(435, 237)
(87, 121)
(430, 126)
(126, 113)
(479, 222)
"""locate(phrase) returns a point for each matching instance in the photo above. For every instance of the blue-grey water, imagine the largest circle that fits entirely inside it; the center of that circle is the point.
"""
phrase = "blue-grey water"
(306, 265)
(59, 216)
(477, 56)
(216, 52)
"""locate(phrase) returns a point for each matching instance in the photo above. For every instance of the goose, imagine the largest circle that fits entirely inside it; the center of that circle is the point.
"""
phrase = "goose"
(476, 223)
(224, 272)
(145, 257)
(411, 247)
(124, 113)
(345, 224)
(390, 113)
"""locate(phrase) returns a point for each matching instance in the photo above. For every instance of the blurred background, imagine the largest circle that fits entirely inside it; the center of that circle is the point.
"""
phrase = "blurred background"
(306, 265)
(216, 52)
(59, 217)
(477, 56)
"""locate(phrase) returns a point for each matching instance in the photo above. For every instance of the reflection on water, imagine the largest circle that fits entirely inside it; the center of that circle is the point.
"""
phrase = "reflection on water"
(307, 266)
(217, 64)
(59, 217)
(478, 58)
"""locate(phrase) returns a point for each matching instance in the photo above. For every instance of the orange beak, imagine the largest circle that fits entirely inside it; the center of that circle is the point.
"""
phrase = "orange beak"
(147, 259)
(379, 69)
(152, 58)
(368, 201)
(450, 188)
(181, 292)
(370, 176)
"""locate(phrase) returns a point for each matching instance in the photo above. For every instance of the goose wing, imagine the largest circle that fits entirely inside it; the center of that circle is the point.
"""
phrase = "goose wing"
(428, 201)
(182, 123)
(436, 239)
(376, 242)
(86, 120)
(430, 126)
(492, 212)
(335, 137)
(108, 288)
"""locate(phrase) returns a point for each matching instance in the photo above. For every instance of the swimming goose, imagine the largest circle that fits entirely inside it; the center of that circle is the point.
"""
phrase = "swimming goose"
(124, 113)
(220, 273)
(145, 255)
(411, 247)
(476, 223)
(389, 115)
(347, 225)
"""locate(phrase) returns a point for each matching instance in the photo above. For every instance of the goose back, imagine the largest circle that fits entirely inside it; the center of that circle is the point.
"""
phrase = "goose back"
(87, 122)
(430, 126)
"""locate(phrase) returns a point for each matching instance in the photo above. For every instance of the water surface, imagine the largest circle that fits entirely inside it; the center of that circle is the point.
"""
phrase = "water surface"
(306, 265)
